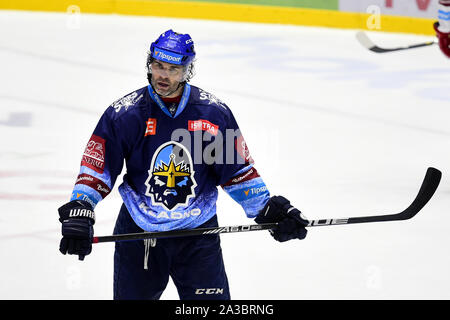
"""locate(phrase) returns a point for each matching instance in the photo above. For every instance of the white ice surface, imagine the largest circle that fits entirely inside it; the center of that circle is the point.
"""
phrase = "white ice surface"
(337, 129)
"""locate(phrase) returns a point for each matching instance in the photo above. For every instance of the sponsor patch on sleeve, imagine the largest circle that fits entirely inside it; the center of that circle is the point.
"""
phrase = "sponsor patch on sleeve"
(79, 195)
(243, 194)
(94, 154)
(242, 150)
(245, 176)
(93, 183)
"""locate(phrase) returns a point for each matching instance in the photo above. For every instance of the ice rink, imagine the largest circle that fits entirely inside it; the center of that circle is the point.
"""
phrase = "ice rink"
(337, 129)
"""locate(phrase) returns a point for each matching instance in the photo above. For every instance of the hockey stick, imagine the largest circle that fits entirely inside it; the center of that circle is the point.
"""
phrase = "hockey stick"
(184, 232)
(426, 192)
(366, 42)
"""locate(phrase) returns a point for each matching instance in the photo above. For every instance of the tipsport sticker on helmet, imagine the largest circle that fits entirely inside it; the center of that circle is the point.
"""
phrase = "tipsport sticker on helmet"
(170, 181)
(167, 56)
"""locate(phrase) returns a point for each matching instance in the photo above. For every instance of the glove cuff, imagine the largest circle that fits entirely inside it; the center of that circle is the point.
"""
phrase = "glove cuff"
(76, 209)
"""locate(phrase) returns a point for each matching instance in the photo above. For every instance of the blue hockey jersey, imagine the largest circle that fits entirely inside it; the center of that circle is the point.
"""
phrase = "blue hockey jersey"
(174, 163)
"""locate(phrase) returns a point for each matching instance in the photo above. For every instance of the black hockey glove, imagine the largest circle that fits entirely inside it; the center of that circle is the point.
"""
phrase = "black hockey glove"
(77, 218)
(291, 223)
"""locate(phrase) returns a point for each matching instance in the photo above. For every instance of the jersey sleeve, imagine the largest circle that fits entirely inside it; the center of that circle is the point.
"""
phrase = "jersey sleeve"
(101, 163)
(238, 176)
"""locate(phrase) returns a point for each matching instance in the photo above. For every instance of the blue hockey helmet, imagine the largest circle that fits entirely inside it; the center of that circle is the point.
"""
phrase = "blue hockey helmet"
(172, 47)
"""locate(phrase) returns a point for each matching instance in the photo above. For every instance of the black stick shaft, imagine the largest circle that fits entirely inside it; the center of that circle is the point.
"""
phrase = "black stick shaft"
(184, 233)
(426, 192)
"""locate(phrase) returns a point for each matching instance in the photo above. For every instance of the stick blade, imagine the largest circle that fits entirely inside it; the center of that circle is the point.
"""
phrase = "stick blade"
(429, 186)
(364, 40)
(427, 189)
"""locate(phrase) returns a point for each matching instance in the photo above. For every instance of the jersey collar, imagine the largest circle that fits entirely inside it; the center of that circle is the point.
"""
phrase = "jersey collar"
(183, 102)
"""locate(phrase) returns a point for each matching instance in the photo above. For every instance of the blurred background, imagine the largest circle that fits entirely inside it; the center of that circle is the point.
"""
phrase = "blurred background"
(337, 129)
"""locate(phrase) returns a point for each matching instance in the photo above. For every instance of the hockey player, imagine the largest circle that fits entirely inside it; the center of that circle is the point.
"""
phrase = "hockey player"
(179, 143)
(442, 27)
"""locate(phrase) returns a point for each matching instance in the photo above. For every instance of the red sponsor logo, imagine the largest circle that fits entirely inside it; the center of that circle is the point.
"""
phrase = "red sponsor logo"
(94, 183)
(151, 127)
(205, 125)
(94, 154)
(248, 175)
(242, 150)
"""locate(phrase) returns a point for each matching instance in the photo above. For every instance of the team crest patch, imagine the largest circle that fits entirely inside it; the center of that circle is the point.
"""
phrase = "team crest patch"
(170, 181)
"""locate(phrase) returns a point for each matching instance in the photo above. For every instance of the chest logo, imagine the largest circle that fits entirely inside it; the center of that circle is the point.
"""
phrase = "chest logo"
(170, 181)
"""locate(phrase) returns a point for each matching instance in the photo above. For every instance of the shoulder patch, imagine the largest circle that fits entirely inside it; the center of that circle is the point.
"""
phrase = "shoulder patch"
(126, 101)
(211, 99)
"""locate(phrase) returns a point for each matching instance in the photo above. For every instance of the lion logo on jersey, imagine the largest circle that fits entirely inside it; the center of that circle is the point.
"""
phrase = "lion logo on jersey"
(170, 181)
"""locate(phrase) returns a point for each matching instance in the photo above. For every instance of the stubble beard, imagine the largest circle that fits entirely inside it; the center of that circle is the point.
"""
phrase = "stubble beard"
(164, 91)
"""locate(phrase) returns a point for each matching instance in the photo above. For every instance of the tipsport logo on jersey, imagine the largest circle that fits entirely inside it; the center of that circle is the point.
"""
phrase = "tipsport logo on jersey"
(171, 182)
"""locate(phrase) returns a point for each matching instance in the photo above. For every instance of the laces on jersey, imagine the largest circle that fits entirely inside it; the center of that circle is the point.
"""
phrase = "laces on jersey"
(147, 244)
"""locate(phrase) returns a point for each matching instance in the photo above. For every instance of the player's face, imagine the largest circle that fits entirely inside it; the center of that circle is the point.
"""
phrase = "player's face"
(166, 77)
